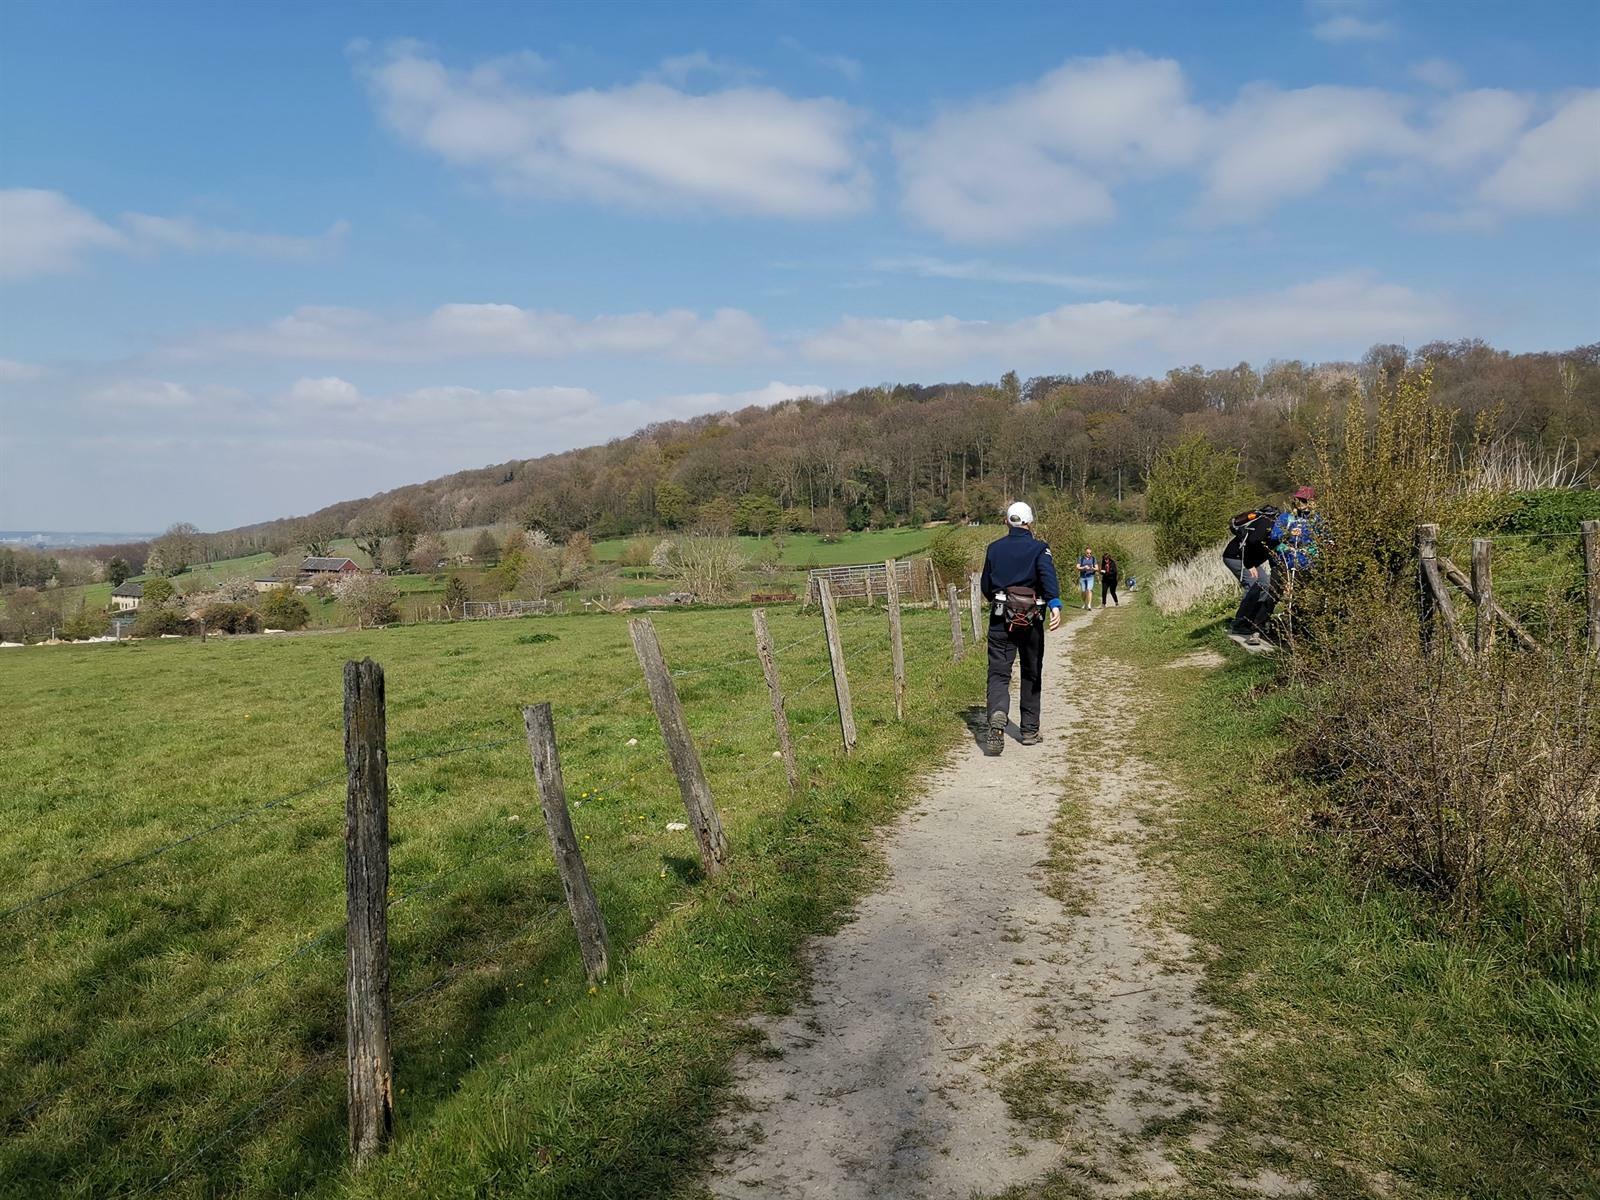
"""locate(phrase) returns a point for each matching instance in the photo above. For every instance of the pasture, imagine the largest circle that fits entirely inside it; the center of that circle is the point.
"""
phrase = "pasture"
(174, 1026)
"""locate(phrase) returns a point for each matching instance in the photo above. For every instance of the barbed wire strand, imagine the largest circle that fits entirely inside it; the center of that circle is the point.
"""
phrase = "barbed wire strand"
(455, 970)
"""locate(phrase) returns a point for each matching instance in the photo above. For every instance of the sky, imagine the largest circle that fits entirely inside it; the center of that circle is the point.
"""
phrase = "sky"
(255, 259)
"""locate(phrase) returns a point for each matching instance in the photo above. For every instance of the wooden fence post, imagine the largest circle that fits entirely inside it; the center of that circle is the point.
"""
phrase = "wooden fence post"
(587, 919)
(956, 648)
(933, 582)
(1427, 548)
(975, 590)
(1483, 593)
(696, 792)
(1438, 606)
(866, 582)
(366, 875)
(780, 718)
(1591, 568)
(841, 681)
(897, 646)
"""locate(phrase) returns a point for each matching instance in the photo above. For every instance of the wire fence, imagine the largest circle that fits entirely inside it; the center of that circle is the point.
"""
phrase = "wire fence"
(722, 741)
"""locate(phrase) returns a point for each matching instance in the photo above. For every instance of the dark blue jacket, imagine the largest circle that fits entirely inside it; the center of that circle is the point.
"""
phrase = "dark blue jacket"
(1019, 558)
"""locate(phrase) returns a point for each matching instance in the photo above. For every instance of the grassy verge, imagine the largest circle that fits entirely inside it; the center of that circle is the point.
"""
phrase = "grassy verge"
(1381, 1054)
(156, 1062)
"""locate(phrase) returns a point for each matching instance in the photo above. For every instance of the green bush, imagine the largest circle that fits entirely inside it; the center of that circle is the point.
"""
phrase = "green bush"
(159, 620)
(229, 616)
(956, 551)
(86, 623)
(1192, 492)
(284, 609)
(157, 591)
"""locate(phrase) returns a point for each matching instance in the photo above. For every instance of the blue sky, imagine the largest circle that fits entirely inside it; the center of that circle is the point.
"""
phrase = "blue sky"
(254, 259)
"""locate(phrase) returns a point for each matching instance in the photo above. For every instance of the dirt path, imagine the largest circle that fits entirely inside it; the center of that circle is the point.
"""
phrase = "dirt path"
(992, 1013)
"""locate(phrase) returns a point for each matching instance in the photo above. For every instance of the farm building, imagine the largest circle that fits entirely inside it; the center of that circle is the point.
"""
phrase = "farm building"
(127, 595)
(267, 583)
(314, 568)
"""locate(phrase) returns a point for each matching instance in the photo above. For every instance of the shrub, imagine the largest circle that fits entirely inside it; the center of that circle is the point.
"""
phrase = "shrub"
(1063, 527)
(956, 551)
(283, 609)
(534, 639)
(157, 591)
(367, 599)
(635, 553)
(86, 623)
(227, 616)
(710, 568)
(162, 619)
(1479, 785)
(1191, 494)
(456, 592)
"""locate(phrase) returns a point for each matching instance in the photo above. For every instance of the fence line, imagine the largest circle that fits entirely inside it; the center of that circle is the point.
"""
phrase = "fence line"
(846, 639)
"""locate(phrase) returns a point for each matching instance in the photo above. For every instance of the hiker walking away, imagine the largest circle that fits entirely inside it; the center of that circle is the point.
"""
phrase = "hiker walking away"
(1019, 582)
(1109, 574)
(1088, 568)
(1248, 555)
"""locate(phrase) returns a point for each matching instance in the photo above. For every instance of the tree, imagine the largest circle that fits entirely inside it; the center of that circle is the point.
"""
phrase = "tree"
(485, 550)
(717, 517)
(367, 599)
(228, 616)
(829, 524)
(31, 614)
(1193, 491)
(455, 594)
(672, 504)
(117, 572)
(317, 535)
(368, 531)
(86, 623)
(157, 591)
(284, 609)
(179, 548)
(428, 552)
(1011, 387)
(758, 515)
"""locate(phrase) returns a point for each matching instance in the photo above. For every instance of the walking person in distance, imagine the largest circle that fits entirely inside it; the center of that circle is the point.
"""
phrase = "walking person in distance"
(1088, 568)
(1110, 573)
(1019, 582)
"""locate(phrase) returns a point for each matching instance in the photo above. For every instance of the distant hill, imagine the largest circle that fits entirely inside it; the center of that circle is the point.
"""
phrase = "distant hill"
(908, 453)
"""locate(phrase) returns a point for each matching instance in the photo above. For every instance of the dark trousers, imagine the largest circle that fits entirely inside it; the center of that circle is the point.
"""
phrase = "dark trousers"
(1108, 589)
(1005, 647)
(1257, 602)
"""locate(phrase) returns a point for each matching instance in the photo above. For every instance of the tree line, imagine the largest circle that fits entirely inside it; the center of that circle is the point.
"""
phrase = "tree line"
(910, 453)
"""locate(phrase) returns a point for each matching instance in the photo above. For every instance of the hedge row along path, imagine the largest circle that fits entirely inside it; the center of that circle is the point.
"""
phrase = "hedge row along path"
(1011, 1004)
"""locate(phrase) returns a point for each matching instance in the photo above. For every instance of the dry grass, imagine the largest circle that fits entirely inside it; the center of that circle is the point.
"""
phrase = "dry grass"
(1199, 580)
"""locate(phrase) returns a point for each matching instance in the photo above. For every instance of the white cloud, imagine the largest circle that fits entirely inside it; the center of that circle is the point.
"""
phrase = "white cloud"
(763, 397)
(486, 330)
(683, 69)
(1053, 154)
(1352, 29)
(849, 67)
(1438, 73)
(1555, 166)
(43, 233)
(13, 371)
(643, 145)
(982, 271)
(144, 394)
(1340, 315)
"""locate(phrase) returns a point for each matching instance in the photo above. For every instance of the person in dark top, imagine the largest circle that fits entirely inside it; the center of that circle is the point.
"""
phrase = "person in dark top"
(1248, 555)
(1110, 573)
(1019, 581)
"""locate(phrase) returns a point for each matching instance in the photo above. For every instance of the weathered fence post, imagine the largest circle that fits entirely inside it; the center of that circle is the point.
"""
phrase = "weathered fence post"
(1591, 569)
(956, 647)
(696, 792)
(780, 718)
(897, 646)
(866, 582)
(1427, 549)
(366, 876)
(841, 681)
(933, 582)
(975, 598)
(587, 919)
(1483, 592)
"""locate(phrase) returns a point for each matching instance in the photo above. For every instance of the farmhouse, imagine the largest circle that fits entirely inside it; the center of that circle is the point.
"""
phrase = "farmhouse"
(315, 568)
(126, 596)
(267, 583)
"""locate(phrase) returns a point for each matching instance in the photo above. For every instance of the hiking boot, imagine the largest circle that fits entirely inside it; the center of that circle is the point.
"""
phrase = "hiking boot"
(1032, 738)
(995, 743)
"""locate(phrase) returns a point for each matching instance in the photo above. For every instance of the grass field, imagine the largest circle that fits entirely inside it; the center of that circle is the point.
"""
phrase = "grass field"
(174, 1028)
(809, 550)
(1381, 1045)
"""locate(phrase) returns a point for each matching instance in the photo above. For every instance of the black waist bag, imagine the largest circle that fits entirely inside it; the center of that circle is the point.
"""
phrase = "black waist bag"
(1020, 607)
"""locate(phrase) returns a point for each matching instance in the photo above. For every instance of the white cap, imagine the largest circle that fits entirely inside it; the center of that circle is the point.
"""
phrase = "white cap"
(1019, 514)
